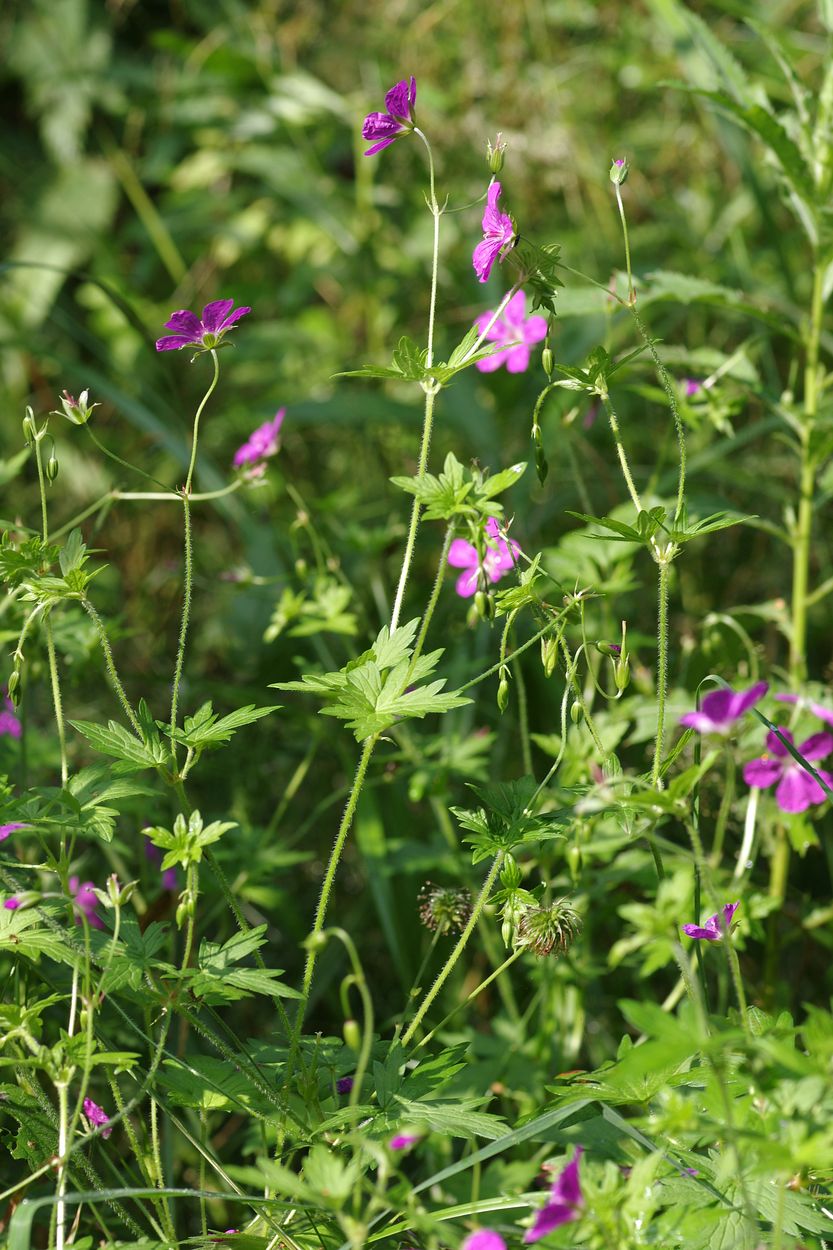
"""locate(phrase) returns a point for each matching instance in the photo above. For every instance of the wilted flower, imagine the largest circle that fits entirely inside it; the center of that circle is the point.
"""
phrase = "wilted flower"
(9, 723)
(6, 831)
(86, 900)
(715, 926)
(344, 1084)
(444, 907)
(79, 410)
(498, 559)
(96, 1116)
(403, 1140)
(261, 445)
(796, 789)
(384, 128)
(548, 929)
(484, 1239)
(722, 708)
(817, 709)
(498, 233)
(190, 331)
(563, 1204)
(516, 332)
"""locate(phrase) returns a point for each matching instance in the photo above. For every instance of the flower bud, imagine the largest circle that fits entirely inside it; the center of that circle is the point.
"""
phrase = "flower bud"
(547, 361)
(609, 648)
(574, 861)
(576, 711)
(503, 695)
(485, 605)
(13, 683)
(549, 655)
(494, 155)
(622, 673)
(352, 1034)
(52, 467)
(619, 169)
(30, 430)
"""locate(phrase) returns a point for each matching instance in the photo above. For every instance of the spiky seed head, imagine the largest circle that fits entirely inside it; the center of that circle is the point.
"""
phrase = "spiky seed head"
(549, 930)
(443, 908)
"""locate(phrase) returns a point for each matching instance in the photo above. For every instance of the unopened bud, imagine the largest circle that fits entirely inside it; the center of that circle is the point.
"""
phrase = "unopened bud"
(30, 430)
(52, 467)
(609, 648)
(576, 711)
(622, 673)
(352, 1034)
(13, 683)
(547, 361)
(494, 154)
(485, 605)
(574, 861)
(549, 655)
(503, 695)
(619, 169)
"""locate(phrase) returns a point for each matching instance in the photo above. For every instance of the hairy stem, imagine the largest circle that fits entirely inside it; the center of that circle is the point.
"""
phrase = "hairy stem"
(804, 522)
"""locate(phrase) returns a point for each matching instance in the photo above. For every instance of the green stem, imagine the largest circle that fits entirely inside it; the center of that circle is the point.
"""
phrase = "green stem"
(804, 523)
(671, 396)
(480, 903)
(47, 626)
(435, 594)
(507, 963)
(63, 1124)
(110, 665)
(662, 670)
(623, 219)
(620, 451)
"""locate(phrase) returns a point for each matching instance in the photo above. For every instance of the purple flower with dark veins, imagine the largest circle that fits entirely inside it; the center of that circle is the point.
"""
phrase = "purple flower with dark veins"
(715, 926)
(722, 708)
(189, 331)
(498, 233)
(484, 1239)
(96, 1116)
(260, 446)
(382, 129)
(796, 789)
(515, 332)
(500, 557)
(564, 1203)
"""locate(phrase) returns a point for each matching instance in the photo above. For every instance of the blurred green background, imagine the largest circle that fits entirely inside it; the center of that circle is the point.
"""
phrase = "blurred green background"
(157, 156)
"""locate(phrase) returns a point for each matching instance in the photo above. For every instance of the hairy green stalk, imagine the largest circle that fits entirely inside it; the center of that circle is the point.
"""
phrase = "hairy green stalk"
(802, 533)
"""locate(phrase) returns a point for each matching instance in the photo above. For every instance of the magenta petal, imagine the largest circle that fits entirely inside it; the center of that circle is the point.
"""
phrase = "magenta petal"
(745, 699)
(515, 309)
(699, 721)
(697, 931)
(552, 1216)
(377, 147)
(462, 555)
(172, 342)
(214, 313)
(484, 1239)
(489, 363)
(535, 329)
(717, 705)
(232, 318)
(185, 322)
(776, 746)
(484, 256)
(492, 217)
(412, 92)
(762, 772)
(517, 359)
(816, 747)
(567, 1186)
(729, 910)
(398, 100)
(466, 584)
(797, 790)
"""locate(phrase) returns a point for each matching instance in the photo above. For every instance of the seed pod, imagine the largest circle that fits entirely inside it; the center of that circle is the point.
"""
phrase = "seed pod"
(622, 674)
(52, 467)
(352, 1034)
(14, 682)
(503, 695)
(576, 711)
(547, 360)
(549, 655)
(30, 431)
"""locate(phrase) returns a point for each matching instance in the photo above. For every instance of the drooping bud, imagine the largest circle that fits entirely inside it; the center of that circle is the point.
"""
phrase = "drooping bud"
(503, 694)
(547, 361)
(549, 929)
(52, 467)
(13, 683)
(30, 429)
(510, 873)
(352, 1034)
(549, 655)
(576, 711)
(495, 154)
(619, 170)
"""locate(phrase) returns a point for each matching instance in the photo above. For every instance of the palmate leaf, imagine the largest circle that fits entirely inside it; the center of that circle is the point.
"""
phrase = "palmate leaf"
(205, 729)
(454, 1119)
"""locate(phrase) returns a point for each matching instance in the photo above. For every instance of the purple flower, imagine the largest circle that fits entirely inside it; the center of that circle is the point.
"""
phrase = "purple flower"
(86, 900)
(9, 723)
(383, 128)
(720, 709)
(12, 904)
(817, 709)
(715, 927)
(344, 1084)
(189, 331)
(499, 558)
(563, 1204)
(170, 880)
(96, 1115)
(403, 1140)
(498, 232)
(6, 831)
(263, 443)
(484, 1239)
(796, 789)
(515, 332)
(691, 386)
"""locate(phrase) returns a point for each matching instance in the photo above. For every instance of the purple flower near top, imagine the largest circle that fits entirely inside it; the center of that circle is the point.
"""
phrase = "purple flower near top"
(9, 723)
(382, 129)
(484, 1239)
(261, 445)
(498, 233)
(169, 878)
(515, 332)
(796, 789)
(715, 926)
(86, 900)
(190, 331)
(403, 1140)
(499, 559)
(564, 1203)
(817, 709)
(721, 708)
(6, 831)
(344, 1084)
(96, 1115)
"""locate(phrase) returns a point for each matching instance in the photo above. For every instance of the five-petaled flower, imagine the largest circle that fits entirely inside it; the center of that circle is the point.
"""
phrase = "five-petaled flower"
(384, 128)
(189, 331)
(96, 1116)
(86, 901)
(484, 1239)
(500, 556)
(564, 1203)
(515, 332)
(260, 445)
(722, 708)
(498, 233)
(796, 789)
(715, 926)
